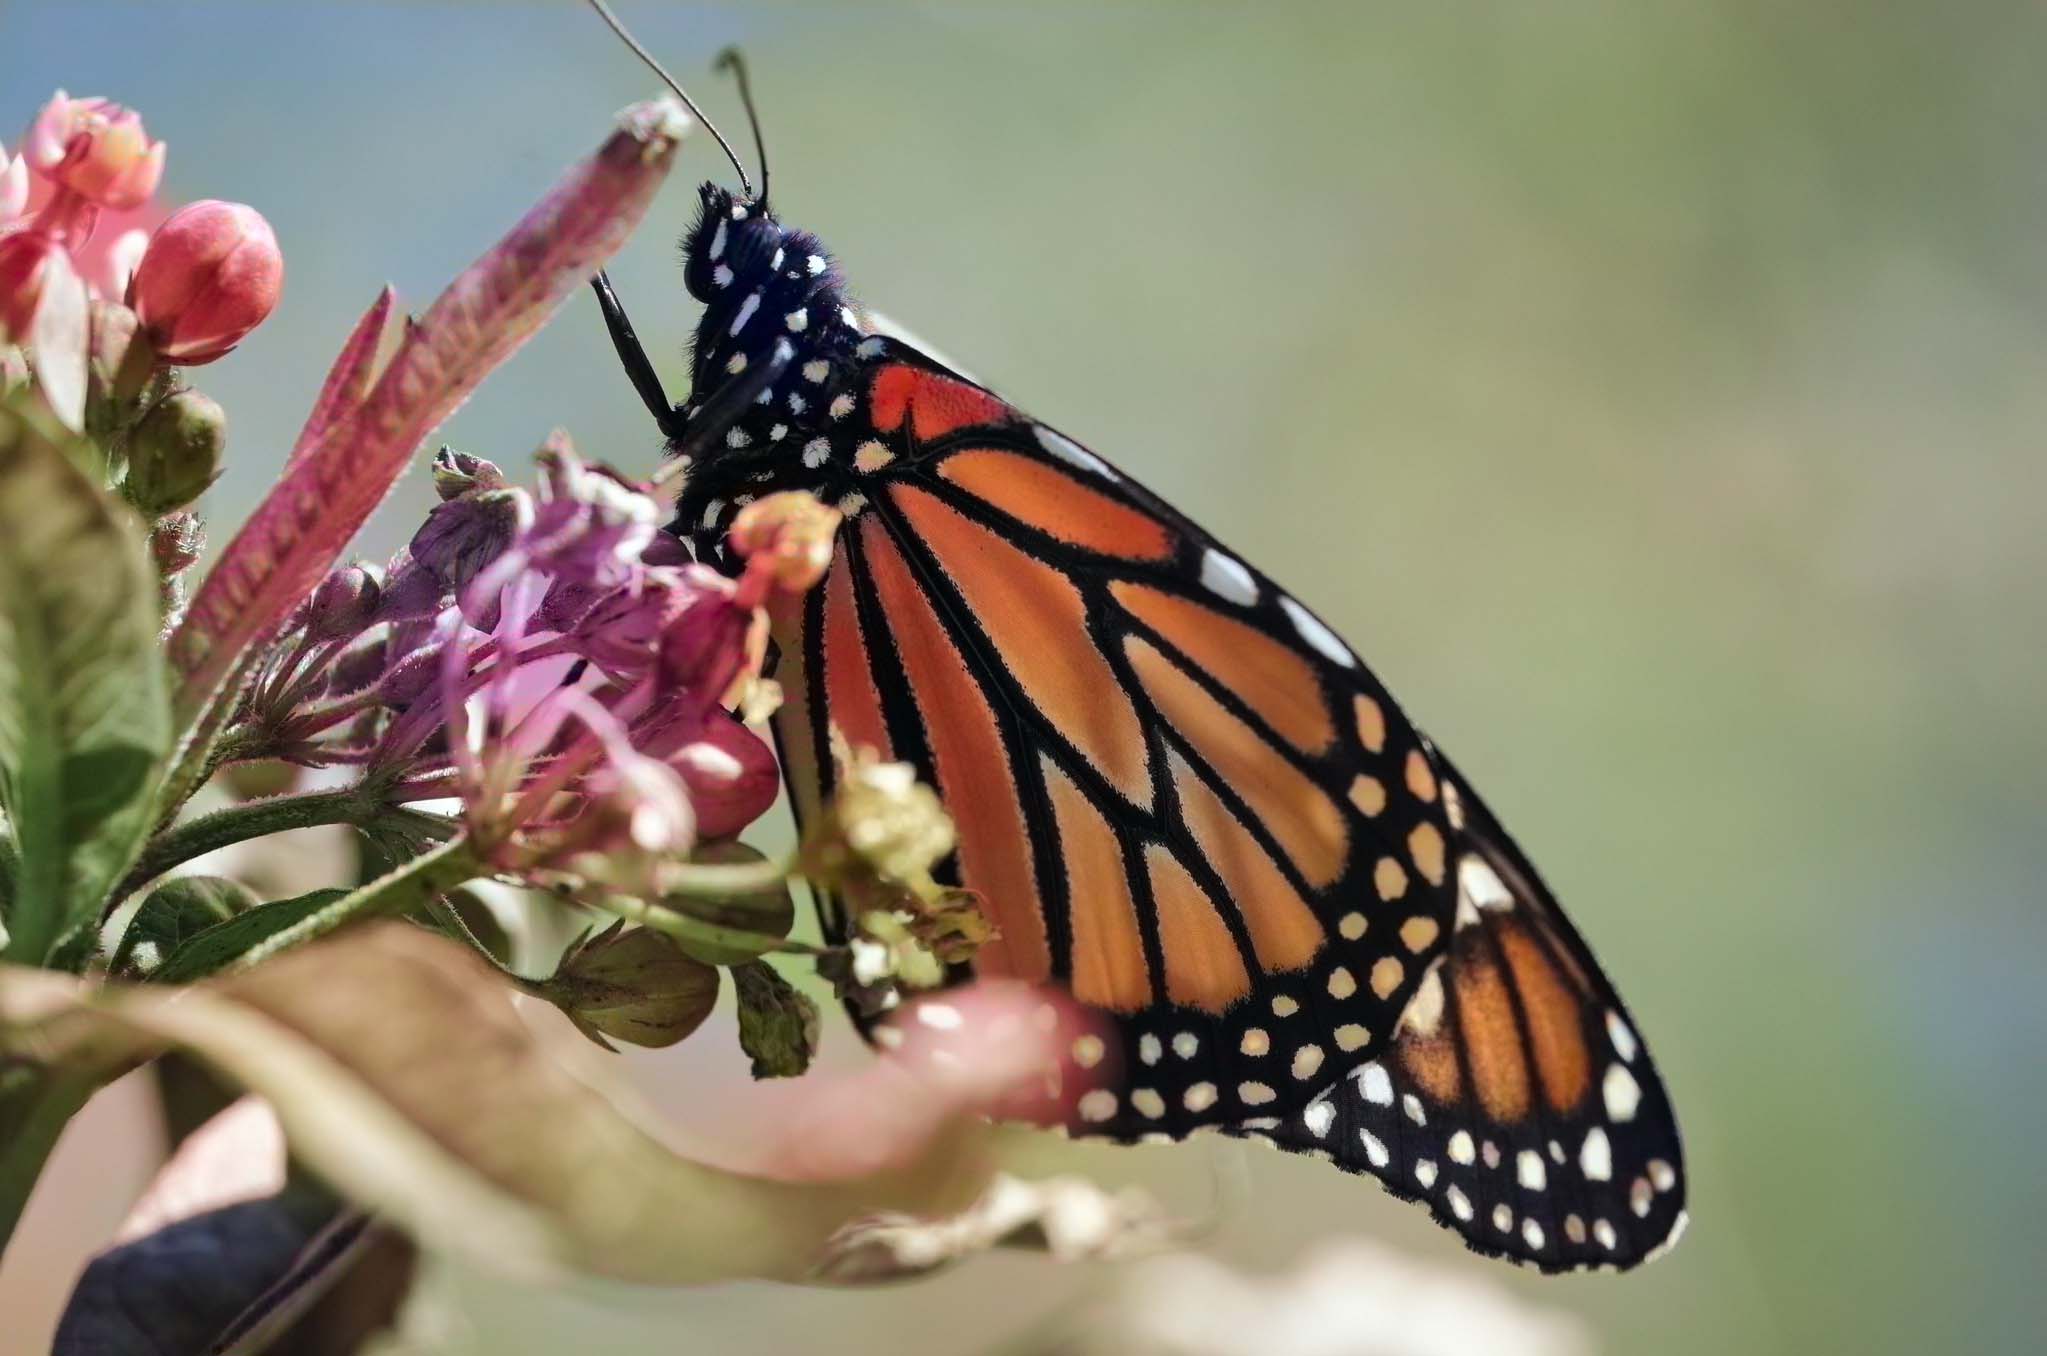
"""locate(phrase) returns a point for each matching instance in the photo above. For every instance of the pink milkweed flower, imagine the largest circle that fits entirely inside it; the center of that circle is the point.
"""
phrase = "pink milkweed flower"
(96, 149)
(13, 186)
(209, 275)
(45, 309)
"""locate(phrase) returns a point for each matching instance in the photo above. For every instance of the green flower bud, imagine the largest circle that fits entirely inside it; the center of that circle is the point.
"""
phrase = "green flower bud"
(175, 453)
(778, 1026)
(632, 986)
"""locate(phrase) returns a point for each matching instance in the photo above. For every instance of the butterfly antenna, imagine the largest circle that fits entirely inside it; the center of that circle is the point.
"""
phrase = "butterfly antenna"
(624, 36)
(732, 60)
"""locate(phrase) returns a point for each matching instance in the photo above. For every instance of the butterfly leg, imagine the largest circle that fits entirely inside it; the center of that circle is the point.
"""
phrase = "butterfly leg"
(637, 365)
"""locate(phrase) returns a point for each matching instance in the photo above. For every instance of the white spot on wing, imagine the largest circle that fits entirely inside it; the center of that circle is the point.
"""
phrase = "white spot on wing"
(1375, 1152)
(1373, 1083)
(1072, 453)
(1528, 1168)
(1595, 1160)
(816, 452)
(1622, 1093)
(1623, 1039)
(1226, 578)
(1318, 1117)
(1315, 633)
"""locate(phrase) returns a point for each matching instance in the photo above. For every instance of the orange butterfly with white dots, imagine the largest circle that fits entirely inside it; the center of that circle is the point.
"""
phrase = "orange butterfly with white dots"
(1179, 795)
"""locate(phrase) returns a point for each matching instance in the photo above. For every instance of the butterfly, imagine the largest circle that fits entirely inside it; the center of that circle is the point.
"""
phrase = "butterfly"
(1179, 795)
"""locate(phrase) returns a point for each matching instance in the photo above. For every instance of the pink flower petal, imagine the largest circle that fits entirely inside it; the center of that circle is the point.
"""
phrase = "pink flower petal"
(301, 528)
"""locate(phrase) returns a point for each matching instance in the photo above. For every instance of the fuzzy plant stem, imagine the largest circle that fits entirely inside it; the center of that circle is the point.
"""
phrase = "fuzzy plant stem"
(359, 805)
(411, 886)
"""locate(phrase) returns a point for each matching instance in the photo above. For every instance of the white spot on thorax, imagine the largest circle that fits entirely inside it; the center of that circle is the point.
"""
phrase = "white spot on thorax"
(736, 364)
(797, 320)
(815, 263)
(717, 242)
(721, 276)
(746, 310)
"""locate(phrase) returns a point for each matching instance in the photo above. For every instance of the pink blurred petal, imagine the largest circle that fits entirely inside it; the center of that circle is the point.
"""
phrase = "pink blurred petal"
(13, 186)
(237, 1156)
(301, 528)
(59, 340)
(986, 1049)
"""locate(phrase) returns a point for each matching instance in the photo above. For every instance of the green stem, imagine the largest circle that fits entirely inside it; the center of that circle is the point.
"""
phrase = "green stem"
(684, 928)
(427, 876)
(257, 819)
(33, 1113)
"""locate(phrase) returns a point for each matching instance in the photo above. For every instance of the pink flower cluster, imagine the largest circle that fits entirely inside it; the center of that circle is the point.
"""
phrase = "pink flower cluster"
(554, 661)
(78, 226)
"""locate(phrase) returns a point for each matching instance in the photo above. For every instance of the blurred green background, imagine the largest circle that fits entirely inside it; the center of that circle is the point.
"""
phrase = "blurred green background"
(1654, 393)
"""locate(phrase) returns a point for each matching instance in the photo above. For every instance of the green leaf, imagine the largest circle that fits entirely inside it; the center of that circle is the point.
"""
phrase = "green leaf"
(217, 946)
(175, 912)
(84, 715)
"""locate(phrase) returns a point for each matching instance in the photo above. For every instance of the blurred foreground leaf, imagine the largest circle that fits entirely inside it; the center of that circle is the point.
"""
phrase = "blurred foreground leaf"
(404, 1077)
(84, 716)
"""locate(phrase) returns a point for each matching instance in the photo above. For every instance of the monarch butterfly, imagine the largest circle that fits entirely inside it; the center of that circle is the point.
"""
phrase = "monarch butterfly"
(1179, 794)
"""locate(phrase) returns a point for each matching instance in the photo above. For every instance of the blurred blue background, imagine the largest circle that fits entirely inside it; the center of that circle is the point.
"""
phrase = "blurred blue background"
(1654, 393)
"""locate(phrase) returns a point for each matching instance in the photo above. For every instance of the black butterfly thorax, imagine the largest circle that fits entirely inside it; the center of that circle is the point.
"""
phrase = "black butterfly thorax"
(763, 286)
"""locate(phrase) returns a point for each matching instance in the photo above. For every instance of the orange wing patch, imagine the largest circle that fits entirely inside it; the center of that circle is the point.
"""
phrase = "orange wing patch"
(1038, 623)
(1492, 1039)
(1272, 680)
(851, 700)
(972, 767)
(1108, 962)
(1296, 811)
(933, 405)
(1285, 933)
(1203, 969)
(1555, 1016)
(1059, 506)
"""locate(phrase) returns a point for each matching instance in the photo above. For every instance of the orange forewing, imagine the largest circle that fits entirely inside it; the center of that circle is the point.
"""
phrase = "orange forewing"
(1285, 933)
(972, 765)
(1054, 503)
(851, 700)
(1107, 962)
(1297, 812)
(1037, 621)
(1274, 681)
(1203, 969)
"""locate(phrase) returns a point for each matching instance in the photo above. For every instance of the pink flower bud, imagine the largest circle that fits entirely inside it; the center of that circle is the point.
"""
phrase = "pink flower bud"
(97, 149)
(211, 273)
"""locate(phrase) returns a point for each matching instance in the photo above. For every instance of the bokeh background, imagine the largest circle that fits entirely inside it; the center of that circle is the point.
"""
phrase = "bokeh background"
(1654, 393)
